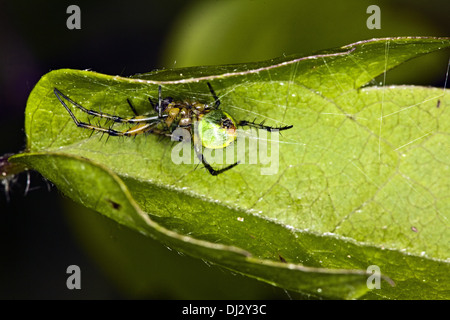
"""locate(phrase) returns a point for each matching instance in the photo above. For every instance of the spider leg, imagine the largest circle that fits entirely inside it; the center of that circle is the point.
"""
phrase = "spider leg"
(137, 129)
(138, 119)
(159, 102)
(216, 99)
(253, 124)
(132, 108)
(212, 171)
(151, 102)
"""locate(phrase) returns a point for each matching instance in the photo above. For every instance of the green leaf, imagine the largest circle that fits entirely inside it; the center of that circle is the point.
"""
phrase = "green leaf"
(361, 179)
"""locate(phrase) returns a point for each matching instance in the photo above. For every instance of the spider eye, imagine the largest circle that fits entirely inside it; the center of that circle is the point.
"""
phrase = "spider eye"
(228, 123)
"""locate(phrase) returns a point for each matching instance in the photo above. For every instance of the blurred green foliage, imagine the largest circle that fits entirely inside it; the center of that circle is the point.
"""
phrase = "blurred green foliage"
(222, 32)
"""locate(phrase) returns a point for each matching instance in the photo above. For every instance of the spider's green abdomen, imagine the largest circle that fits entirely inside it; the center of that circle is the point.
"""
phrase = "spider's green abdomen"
(217, 129)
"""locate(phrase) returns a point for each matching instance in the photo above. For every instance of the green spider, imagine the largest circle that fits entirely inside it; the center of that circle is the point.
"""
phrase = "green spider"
(216, 128)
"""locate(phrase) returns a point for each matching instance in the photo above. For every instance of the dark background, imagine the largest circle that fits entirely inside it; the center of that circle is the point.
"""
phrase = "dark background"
(42, 233)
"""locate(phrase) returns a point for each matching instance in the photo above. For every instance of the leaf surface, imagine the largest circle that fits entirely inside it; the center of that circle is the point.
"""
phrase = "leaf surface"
(361, 179)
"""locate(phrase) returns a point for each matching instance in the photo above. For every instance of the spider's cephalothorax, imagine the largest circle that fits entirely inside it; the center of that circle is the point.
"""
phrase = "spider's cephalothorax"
(210, 126)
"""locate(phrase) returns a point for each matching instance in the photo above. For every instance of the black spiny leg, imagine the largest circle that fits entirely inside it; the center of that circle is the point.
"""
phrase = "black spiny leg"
(212, 171)
(159, 102)
(80, 124)
(132, 108)
(253, 124)
(216, 99)
(113, 118)
(144, 124)
(159, 107)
